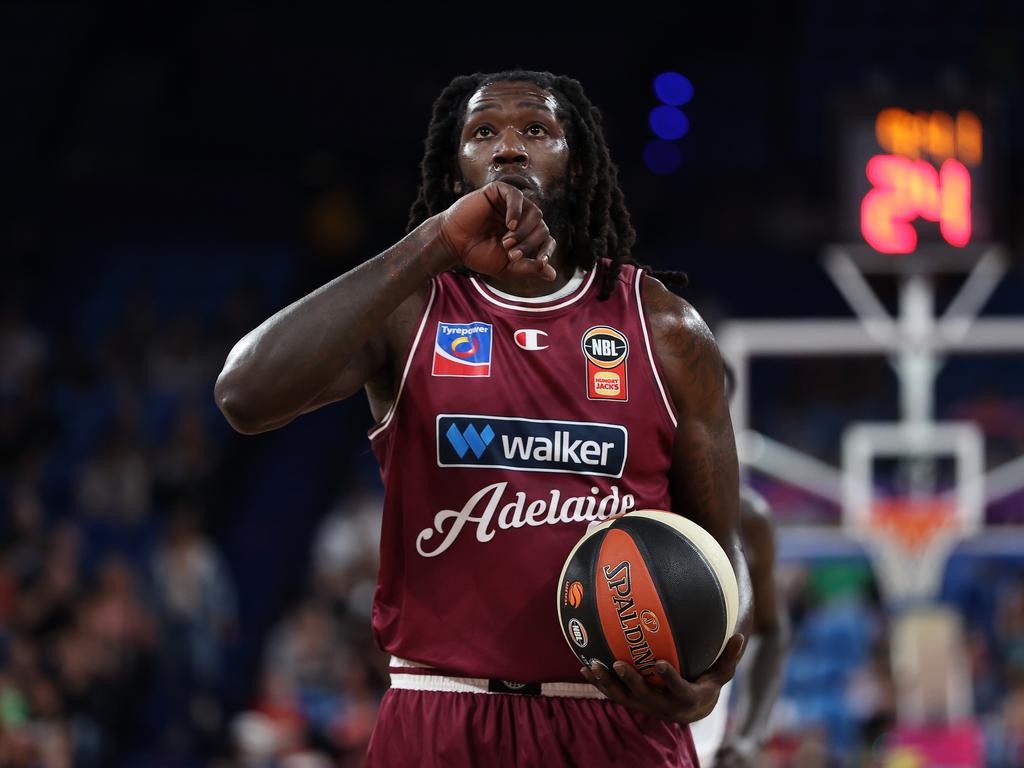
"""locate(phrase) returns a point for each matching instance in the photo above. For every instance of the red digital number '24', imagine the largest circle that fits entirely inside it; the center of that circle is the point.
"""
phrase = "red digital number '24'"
(906, 189)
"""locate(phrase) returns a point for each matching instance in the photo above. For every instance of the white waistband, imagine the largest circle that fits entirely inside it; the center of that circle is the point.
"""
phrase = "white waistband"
(443, 683)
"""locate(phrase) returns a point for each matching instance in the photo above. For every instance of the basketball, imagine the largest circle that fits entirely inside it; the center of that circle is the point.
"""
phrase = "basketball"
(646, 586)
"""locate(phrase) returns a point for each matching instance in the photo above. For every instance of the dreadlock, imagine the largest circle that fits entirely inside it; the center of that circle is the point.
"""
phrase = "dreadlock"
(599, 223)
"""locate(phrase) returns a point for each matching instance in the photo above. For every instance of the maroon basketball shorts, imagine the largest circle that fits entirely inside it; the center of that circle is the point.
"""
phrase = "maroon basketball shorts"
(432, 721)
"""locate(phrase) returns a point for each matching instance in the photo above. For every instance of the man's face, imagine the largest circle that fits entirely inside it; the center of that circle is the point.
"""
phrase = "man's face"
(511, 133)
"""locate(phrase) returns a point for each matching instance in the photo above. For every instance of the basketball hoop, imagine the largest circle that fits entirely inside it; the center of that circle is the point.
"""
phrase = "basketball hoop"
(912, 522)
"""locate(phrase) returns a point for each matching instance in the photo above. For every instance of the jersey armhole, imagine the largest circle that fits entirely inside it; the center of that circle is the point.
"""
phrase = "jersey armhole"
(651, 357)
(389, 416)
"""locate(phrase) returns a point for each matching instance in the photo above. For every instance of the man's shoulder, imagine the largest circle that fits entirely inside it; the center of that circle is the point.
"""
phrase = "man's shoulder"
(679, 335)
(669, 313)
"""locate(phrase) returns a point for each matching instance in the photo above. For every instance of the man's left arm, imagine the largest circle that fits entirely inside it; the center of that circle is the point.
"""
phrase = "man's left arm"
(704, 485)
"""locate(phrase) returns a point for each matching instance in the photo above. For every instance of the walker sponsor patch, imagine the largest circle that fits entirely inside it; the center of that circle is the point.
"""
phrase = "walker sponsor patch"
(462, 349)
(606, 350)
(530, 445)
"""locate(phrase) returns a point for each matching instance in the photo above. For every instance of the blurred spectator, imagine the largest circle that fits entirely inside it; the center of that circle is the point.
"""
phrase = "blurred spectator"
(196, 602)
(22, 347)
(124, 353)
(346, 551)
(177, 363)
(116, 483)
(186, 468)
(1010, 627)
(871, 695)
(1006, 738)
(49, 601)
(303, 652)
(23, 540)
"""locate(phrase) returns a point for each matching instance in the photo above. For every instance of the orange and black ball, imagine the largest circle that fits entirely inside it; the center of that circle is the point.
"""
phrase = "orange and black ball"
(647, 586)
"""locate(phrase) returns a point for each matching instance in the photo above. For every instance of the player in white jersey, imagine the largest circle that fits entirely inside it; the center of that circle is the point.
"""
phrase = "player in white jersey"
(718, 745)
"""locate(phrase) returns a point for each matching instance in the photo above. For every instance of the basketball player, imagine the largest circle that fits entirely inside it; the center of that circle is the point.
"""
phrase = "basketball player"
(763, 667)
(527, 379)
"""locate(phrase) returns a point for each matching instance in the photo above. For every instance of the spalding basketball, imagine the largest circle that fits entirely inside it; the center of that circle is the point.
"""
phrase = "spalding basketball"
(646, 586)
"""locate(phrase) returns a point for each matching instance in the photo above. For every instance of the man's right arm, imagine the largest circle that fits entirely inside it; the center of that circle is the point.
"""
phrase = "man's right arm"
(328, 344)
(343, 336)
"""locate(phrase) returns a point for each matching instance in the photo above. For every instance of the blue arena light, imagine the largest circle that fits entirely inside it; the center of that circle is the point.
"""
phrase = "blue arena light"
(672, 88)
(662, 157)
(668, 122)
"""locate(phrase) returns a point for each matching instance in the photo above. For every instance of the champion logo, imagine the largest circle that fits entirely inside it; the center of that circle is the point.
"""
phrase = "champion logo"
(469, 439)
(530, 339)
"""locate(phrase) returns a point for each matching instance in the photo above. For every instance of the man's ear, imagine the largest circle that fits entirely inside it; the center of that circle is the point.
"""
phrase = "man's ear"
(457, 187)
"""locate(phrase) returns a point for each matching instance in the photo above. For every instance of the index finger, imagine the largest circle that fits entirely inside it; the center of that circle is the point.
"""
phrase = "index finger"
(513, 205)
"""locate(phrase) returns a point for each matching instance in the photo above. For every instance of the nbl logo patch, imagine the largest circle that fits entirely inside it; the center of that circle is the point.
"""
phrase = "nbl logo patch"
(606, 350)
(531, 445)
(462, 349)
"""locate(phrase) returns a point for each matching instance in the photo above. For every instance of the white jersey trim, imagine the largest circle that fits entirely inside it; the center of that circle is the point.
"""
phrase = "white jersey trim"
(408, 364)
(650, 352)
(442, 683)
(486, 292)
(565, 290)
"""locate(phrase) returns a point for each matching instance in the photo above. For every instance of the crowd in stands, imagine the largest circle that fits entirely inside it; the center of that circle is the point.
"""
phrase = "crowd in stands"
(120, 624)
(116, 607)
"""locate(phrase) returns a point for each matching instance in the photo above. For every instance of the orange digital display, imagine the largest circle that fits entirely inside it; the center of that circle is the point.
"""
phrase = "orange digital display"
(925, 175)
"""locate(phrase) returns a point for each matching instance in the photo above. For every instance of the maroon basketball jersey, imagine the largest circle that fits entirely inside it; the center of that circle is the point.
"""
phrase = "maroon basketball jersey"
(517, 424)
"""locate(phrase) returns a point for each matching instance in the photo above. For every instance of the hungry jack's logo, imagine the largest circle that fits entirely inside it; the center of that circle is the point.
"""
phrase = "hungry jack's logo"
(606, 350)
(620, 586)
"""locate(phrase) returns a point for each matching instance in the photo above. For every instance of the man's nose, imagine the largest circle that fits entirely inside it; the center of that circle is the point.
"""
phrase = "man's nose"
(510, 150)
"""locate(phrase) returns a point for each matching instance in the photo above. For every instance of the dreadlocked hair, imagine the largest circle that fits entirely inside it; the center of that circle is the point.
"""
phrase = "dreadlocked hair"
(598, 223)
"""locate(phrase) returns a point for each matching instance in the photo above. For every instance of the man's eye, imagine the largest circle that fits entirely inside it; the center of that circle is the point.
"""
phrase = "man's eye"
(536, 130)
(480, 131)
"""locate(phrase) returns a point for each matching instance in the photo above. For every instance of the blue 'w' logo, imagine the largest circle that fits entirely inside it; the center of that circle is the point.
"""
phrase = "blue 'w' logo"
(469, 439)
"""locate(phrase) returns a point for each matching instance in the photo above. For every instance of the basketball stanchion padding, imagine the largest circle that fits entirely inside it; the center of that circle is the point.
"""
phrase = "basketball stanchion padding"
(646, 586)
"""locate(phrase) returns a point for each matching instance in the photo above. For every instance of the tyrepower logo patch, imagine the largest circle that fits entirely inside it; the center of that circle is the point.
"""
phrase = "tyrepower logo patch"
(531, 445)
(606, 350)
(462, 349)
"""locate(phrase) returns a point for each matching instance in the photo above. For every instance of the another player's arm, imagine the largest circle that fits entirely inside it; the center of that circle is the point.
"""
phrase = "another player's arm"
(762, 673)
(704, 485)
(330, 343)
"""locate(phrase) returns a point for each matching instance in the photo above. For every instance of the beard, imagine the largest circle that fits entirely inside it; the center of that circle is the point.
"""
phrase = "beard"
(555, 208)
